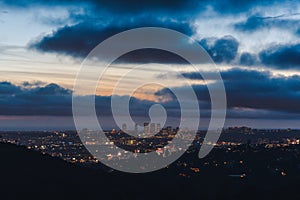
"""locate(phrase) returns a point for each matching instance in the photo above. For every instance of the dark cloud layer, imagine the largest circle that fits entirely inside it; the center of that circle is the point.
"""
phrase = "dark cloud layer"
(238, 6)
(245, 89)
(255, 90)
(114, 6)
(80, 39)
(7, 88)
(53, 99)
(281, 56)
(41, 100)
(138, 6)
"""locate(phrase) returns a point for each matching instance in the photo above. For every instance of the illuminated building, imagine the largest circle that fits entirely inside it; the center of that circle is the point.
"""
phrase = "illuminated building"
(136, 128)
(146, 127)
(152, 128)
(158, 127)
(124, 127)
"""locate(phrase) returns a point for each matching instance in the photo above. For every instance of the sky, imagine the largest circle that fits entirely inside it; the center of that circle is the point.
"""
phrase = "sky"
(254, 44)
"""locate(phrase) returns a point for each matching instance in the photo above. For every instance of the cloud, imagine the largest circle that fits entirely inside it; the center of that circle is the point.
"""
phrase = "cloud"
(113, 6)
(251, 24)
(250, 89)
(78, 40)
(33, 84)
(52, 89)
(236, 6)
(145, 6)
(139, 6)
(281, 56)
(40, 100)
(250, 94)
(257, 22)
(6, 88)
(221, 50)
(99, 19)
(248, 59)
(191, 6)
(55, 100)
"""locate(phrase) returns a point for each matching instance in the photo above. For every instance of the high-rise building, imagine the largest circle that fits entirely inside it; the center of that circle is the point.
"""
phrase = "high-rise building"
(152, 128)
(158, 127)
(124, 127)
(136, 130)
(146, 127)
(169, 129)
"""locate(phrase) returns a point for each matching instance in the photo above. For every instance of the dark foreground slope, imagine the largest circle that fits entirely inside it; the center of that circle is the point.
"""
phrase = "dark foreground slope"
(27, 174)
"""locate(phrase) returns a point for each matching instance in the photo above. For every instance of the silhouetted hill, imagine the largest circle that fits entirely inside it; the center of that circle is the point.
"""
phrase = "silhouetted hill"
(29, 174)
(26, 173)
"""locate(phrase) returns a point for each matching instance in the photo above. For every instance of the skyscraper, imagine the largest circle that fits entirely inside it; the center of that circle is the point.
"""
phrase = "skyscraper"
(158, 127)
(146, 127)
(169, 129)
(136, 130)
(152, 128)
(124, 127)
